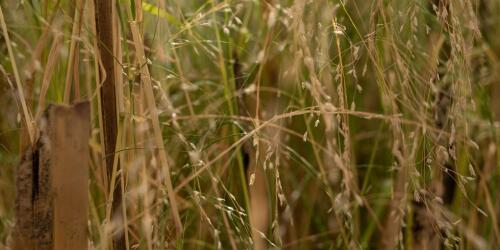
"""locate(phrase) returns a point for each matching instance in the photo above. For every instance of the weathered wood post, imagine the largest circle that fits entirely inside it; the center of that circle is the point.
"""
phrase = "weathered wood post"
(52, 182)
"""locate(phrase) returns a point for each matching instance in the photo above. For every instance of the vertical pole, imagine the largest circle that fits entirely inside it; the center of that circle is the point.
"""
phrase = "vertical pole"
(104, 27)
(52, 183)
(69, 129)
(103, 12)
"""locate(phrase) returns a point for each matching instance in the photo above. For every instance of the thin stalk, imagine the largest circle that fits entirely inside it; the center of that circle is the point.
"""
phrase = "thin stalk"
(227, 94)
(28, 120)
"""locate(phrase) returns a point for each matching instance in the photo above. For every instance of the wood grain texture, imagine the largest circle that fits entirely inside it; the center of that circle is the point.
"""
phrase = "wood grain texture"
(69, 134)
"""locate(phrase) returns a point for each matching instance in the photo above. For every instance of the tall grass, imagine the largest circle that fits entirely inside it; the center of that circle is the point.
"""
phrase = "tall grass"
(266, 124)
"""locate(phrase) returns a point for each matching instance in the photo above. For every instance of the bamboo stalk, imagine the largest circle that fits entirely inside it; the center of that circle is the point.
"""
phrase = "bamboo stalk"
(105, 42)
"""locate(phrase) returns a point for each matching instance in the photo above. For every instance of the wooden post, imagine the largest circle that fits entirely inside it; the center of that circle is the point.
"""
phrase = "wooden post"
(52, 183)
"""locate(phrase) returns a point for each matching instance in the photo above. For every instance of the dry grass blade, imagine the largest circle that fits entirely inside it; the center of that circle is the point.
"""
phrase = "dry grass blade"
(265, 124)
(153, 111)
(28, 120)
(53, 57)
